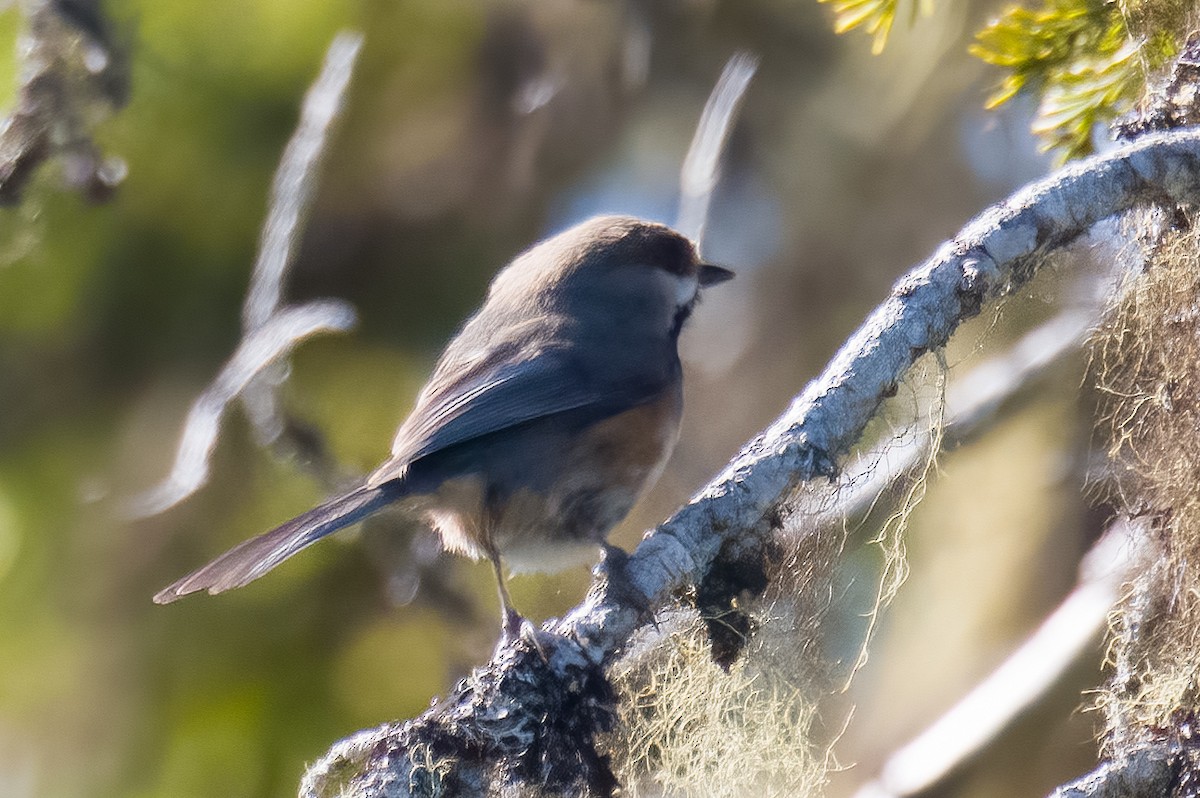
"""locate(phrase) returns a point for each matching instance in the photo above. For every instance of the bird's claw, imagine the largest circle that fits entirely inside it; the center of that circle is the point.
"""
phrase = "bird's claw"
(517, 627)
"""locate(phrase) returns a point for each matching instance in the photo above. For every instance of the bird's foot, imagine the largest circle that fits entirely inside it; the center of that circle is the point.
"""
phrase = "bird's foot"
(618, 584)
(511, 624)
(518, 628)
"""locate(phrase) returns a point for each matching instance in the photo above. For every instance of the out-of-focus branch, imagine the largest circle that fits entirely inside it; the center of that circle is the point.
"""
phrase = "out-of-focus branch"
(73, 74)
(531, 715)
(270, 332)
(265, 346)
(295, 180)
(702, 164)
(291, 196)
(1021, 679)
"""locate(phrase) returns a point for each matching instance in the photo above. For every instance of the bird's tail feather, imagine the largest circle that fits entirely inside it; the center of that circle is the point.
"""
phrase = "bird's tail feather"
(251, 559)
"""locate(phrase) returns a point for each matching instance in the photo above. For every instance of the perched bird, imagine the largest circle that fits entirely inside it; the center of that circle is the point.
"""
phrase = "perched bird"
(545, 418)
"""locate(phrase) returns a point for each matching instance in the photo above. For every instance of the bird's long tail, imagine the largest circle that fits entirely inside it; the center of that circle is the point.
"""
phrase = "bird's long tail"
(249, 560)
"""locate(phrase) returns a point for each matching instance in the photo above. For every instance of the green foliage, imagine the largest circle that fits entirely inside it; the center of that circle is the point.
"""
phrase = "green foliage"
(1087, 59)
(874, 16)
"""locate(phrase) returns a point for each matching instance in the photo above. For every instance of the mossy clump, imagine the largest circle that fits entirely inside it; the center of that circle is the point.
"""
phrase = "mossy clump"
(1147, 362)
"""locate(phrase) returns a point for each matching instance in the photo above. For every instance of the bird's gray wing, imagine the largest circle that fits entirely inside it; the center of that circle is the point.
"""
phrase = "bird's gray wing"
(511, 386)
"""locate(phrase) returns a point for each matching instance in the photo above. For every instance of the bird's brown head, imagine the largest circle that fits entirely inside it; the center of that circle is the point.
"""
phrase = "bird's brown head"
(627, 239)
(613, 267)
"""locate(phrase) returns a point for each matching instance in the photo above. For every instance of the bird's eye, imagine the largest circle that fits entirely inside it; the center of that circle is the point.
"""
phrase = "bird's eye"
(681, 315)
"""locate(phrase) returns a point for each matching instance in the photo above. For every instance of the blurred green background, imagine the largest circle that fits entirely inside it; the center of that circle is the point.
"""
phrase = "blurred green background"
(845, 169)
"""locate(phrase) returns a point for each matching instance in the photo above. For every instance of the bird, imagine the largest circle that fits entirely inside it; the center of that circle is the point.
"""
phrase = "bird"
(546, 416)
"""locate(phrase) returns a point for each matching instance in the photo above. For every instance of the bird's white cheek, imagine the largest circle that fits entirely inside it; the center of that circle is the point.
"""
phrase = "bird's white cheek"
(685, 290)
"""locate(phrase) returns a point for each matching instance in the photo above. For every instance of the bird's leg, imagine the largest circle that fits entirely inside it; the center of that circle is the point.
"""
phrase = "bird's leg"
(513, 625)
(510, 619)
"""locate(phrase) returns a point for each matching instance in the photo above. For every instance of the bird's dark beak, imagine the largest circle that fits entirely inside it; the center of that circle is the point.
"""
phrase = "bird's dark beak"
(712, 275)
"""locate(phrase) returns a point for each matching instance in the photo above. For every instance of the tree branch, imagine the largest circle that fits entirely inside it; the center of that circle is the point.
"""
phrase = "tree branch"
(973, 404)
(71, 69)
(270, 329)
(1145, 773)
(531, 714)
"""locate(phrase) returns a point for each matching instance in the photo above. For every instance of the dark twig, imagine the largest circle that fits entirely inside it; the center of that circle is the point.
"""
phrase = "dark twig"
(73, 74)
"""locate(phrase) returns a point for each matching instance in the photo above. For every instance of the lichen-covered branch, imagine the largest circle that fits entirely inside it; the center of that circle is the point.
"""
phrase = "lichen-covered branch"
(974, 403)
(530, 715)
(1145, 773)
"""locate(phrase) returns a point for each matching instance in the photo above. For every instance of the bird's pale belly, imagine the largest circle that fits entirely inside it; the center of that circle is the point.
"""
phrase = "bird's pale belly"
(574, 486)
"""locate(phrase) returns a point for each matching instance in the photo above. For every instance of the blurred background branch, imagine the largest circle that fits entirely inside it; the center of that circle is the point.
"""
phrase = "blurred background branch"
(292, 193)
(1023, 679)
(975, 403)
(263, 347)
(257, 370)
(702, 164)
(74, 72)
